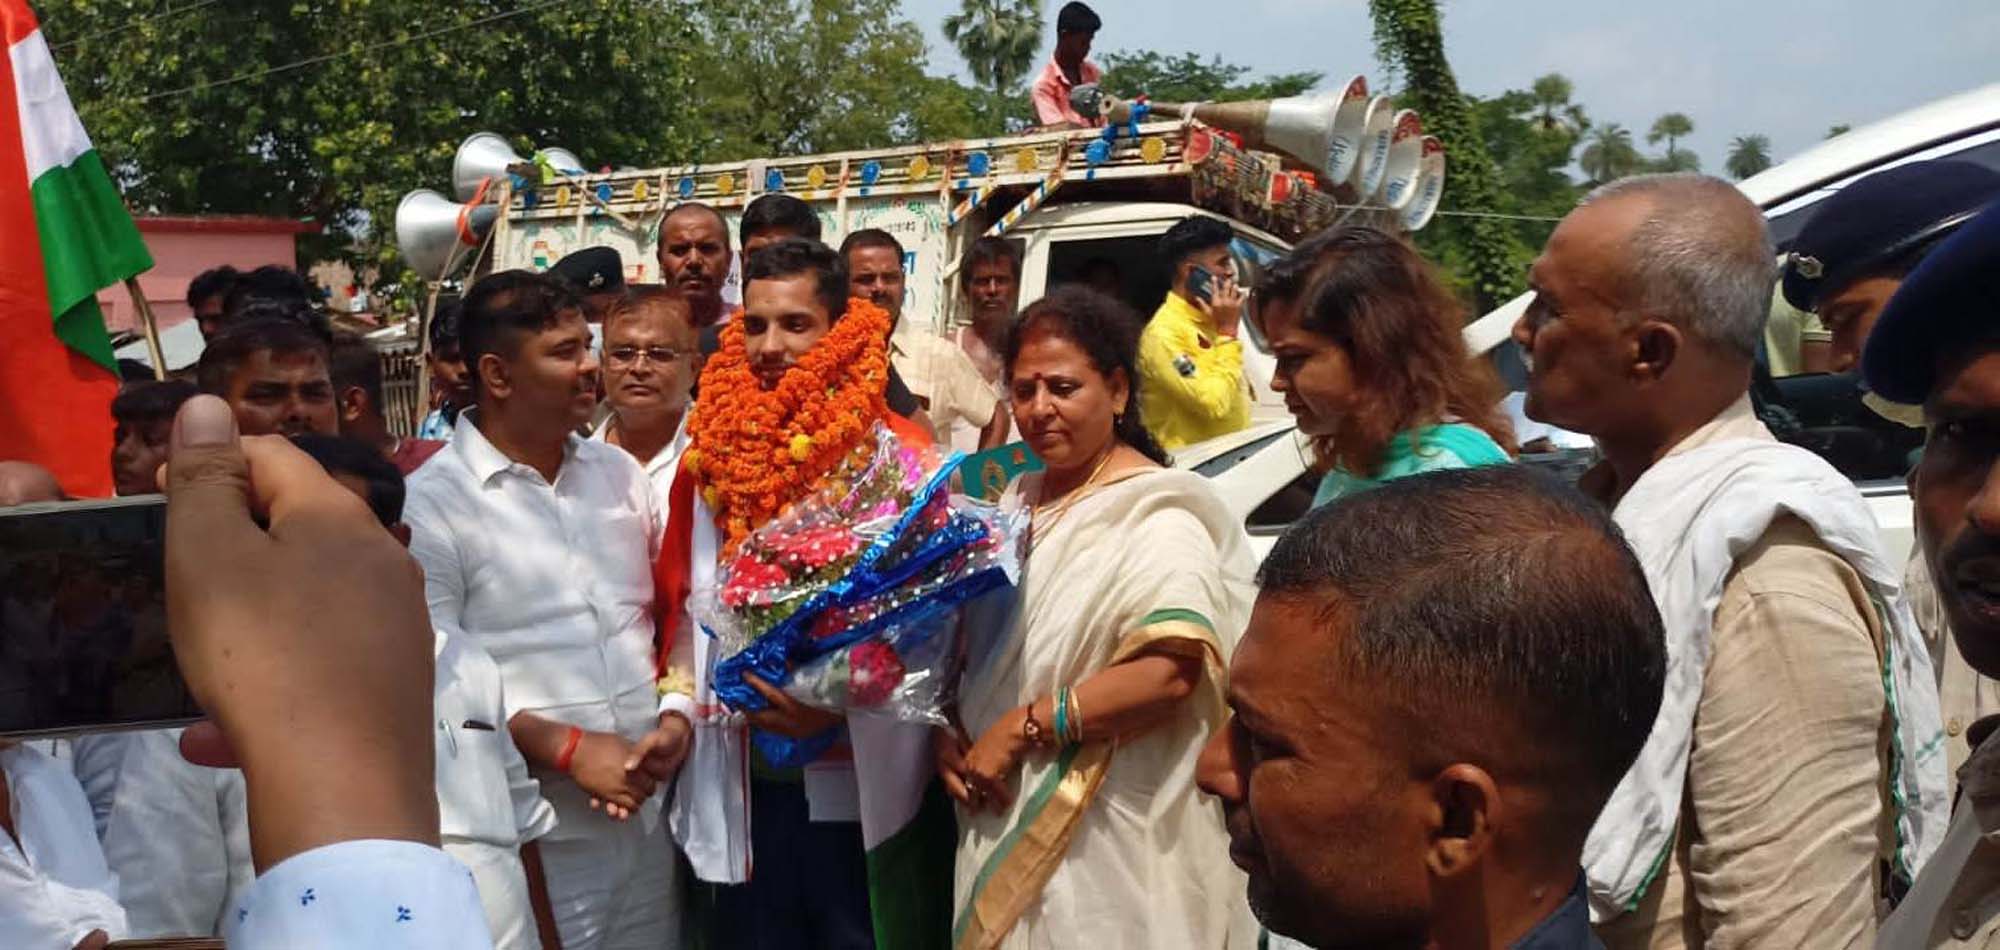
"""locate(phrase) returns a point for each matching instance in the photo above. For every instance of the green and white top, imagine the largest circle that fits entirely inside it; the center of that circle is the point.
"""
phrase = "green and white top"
(1413, 452)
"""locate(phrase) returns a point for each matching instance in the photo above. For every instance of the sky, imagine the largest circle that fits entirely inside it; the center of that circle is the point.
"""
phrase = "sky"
(1787, 69)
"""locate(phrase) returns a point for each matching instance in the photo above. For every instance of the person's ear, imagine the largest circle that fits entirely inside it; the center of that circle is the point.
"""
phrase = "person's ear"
(1655, 346)
(350, 404)
(494, 376)
(1466, 810)
(1121, 391)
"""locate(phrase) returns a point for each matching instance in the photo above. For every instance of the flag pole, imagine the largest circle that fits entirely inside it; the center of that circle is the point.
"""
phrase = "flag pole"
(151, 327)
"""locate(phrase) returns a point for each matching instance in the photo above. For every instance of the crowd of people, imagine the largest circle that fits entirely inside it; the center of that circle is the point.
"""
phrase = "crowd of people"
(1683, 702)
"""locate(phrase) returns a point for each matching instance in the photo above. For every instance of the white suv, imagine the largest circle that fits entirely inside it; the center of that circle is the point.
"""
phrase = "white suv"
(1263, 472)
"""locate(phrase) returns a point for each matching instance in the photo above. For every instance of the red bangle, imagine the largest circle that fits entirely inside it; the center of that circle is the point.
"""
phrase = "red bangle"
(570, 742)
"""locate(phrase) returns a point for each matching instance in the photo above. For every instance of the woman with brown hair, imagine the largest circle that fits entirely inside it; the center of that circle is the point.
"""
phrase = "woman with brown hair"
(1372, 364)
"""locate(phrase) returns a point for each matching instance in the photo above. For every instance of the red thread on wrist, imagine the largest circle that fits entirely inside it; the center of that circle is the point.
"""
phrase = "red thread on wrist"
(568, 753)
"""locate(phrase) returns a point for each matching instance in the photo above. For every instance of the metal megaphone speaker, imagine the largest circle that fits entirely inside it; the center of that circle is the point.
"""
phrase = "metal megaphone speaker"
(562, 160)
(1378, 129)
(481, 156)
(1430, 187)
(431, 230)
(1406, 158)
(1321, 132)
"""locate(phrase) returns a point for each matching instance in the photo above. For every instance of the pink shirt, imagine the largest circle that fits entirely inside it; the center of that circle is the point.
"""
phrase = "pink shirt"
(1051, 94)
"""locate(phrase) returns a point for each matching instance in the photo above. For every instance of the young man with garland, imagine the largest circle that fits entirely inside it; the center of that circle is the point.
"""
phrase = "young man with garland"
(795, 390)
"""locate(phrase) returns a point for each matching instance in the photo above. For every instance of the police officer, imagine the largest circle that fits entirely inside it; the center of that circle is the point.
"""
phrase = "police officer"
(597, 274)
(1938, 344)
(1854, 252)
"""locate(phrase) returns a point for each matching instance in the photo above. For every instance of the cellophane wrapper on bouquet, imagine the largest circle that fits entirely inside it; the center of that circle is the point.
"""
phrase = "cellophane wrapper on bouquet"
(849, 600)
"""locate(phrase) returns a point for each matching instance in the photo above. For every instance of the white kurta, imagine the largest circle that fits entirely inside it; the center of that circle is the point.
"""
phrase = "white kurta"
(55, 888)
(554, 581)
(180, 838)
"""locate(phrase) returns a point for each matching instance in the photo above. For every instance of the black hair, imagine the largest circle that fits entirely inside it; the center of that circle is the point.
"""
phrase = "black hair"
(444, 324)
(870, 237)
(212, 282)
(501, 308)
(781, 212)
(269, 282)
(132, 371)
(986, 250)
(239, 341)
(721, 223)
(1076, 18)
(342, 455)
(1493, 612)
(257, 309)
(1192, 235)
(150, 401)
(794, 256)
(1107, 332)
(353, 361)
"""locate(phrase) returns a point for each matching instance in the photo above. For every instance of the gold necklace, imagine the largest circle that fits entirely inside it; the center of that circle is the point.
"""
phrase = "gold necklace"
(1045, 517)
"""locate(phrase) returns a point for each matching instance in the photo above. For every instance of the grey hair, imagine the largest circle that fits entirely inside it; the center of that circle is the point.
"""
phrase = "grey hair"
(1702, 259)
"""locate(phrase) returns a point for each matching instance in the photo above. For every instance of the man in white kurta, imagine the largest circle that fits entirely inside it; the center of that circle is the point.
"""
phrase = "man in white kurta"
(179, 836)
(55, 889)
(541, 555)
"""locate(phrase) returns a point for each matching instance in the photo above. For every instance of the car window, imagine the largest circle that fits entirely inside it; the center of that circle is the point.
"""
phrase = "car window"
(1825, 414)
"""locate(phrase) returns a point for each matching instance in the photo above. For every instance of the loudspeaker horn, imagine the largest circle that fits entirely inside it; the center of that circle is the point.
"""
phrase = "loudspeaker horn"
(1379, 129)
(1430, 187)
(1320, 132)
(1406, 158)
(431, 229)
(562, 160)
(481, 156)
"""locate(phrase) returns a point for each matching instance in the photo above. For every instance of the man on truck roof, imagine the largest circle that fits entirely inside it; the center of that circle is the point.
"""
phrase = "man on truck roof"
(1068, 68)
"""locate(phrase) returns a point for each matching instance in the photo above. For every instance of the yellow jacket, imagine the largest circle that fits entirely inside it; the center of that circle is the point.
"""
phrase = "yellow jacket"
(1191, 385)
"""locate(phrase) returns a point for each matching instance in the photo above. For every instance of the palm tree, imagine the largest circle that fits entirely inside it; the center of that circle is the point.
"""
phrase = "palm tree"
(998, 39)
(1672, 127)
(1555, 111)
(1748, 155)
(1610, 155)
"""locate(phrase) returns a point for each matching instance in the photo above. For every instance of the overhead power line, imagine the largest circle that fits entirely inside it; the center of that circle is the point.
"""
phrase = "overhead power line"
(352, 51)
(132, 24)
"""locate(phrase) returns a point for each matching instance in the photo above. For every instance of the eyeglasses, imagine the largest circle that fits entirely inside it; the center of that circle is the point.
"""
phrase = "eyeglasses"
(629, 355)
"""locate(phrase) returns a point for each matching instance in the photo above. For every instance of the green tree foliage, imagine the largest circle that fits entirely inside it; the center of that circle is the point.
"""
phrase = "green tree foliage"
(998, 39)
(331, 109)
(867, 84)
(1748, 155)
(1186, 77)
(1671, 128)
(1410, 34)
(1554, 110)
(1608, 155)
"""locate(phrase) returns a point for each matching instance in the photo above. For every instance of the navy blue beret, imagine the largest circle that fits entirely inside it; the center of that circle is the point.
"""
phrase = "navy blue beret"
(1874, 221)
(1951, 300)
(593, 270)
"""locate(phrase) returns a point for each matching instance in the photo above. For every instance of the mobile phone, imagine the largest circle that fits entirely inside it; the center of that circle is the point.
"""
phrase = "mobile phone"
(1201, 284)
(83, 619)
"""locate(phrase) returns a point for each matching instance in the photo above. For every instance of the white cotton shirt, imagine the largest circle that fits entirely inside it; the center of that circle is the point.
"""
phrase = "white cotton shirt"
(660, 468)
(362, 895)
(485, 793)
(553, 581)
(179, 836)
(55, 887)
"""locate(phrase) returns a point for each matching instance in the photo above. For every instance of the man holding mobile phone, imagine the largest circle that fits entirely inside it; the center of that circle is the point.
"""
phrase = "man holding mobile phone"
(1191, 386)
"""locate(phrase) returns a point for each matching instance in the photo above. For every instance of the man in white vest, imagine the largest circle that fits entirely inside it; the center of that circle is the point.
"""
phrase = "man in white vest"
(1794, 778)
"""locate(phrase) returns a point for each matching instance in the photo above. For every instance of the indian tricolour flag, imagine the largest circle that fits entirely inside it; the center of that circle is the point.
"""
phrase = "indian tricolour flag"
(64, 235)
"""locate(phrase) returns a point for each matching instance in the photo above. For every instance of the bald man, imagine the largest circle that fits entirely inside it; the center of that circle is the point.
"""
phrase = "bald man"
(1794, 774)
(23, 483)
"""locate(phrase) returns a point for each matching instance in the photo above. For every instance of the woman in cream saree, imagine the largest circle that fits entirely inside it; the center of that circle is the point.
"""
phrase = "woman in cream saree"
(1106, 843)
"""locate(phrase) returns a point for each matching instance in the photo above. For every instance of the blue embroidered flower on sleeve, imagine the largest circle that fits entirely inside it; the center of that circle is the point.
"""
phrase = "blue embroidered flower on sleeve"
(402, 914)
(307, 897)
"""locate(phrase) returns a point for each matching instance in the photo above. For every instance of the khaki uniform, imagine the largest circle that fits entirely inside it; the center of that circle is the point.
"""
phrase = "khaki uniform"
(1956, 902)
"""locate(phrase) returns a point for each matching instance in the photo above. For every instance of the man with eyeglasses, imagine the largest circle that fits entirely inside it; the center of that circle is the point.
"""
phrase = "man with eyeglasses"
(649, 345)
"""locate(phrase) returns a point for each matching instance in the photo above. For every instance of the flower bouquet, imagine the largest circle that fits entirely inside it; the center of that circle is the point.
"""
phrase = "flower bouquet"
(848, 599)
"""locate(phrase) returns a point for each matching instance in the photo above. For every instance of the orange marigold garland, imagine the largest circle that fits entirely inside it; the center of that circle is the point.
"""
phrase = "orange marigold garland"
(757, 451)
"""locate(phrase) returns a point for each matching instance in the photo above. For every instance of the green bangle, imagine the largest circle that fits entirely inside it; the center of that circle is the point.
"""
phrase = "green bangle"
(1062, 716)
